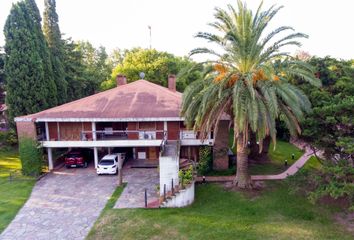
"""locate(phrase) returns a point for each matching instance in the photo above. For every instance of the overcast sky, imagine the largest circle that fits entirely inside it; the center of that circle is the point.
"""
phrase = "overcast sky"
(124, 24)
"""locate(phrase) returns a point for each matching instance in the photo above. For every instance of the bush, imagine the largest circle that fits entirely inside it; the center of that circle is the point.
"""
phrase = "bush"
(186, 176)
(8, 138)
(205, 163)
(31, 156)
(335, 181)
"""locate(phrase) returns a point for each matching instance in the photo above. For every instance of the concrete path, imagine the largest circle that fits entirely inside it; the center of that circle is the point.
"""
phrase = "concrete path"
(290, 171)
(63, 205)
(138, 179)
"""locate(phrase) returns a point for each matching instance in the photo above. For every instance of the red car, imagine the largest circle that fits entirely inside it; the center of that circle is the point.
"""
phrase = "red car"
(76, 158)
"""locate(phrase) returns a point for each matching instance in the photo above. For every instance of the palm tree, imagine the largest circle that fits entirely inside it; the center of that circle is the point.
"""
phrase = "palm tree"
(249, 81)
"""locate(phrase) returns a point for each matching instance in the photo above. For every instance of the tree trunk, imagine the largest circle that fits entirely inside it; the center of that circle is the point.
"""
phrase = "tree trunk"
(255, 156)
(243, 179)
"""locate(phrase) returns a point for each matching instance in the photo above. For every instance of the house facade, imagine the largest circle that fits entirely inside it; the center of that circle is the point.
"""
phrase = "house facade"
(140, 116)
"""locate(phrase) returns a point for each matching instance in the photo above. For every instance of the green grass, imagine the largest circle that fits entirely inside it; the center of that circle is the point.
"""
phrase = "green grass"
(221, 214)
(284, 150)
(12, 194)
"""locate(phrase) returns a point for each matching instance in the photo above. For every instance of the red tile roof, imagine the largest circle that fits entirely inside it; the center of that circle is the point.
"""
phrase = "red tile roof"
(139, 99)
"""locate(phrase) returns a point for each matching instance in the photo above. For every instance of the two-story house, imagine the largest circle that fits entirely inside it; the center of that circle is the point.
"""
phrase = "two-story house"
(138, 116)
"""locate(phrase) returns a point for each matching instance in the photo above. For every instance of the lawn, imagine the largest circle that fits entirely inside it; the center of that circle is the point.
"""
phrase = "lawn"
(284, 150)
(12, 194)
(273, 213)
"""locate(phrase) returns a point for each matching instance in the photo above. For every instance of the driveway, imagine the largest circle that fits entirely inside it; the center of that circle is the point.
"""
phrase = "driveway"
(139, 179)
(63, 205)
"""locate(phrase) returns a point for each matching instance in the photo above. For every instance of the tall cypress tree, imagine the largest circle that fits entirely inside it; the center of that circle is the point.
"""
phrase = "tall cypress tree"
(29, 79)
(53, 36)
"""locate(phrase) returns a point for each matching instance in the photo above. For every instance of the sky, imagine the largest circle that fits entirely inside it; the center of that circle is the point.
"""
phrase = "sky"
(124, 24)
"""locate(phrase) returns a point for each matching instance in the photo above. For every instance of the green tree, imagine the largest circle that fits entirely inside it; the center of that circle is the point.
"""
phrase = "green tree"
(248, 81)
(55, 43)
(78, 86)
(96, 64)
(29, 79)
(331, 124)
(156, 66)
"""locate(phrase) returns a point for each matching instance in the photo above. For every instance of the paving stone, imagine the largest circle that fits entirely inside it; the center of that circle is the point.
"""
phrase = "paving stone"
(63, 205)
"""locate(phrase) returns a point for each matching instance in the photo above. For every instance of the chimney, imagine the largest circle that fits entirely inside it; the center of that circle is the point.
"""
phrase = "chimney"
(121, 80)
(172, 82)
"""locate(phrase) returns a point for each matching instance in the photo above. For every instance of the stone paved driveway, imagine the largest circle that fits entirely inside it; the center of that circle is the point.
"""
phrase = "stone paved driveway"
(63, 205)
(138, 180)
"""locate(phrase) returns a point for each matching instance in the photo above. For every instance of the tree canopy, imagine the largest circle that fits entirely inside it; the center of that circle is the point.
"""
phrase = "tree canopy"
(331, 124)
(249, 81)
(155, 64)
(53, 37)
(29, 78)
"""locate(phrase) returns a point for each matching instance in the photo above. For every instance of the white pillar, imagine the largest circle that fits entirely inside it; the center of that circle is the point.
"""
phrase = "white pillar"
(50, 159)
(47, 131)
(165, 130)
(95, 152)
(109, 150)
(94, 135)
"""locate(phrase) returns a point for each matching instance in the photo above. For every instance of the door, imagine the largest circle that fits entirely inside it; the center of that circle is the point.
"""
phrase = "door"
(152, 153)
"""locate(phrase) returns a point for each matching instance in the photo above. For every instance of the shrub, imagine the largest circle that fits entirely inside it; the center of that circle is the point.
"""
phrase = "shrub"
(336, 181)
(31, 156)
(11, 138)
(8, 137)
(186, 176)
(205, 160)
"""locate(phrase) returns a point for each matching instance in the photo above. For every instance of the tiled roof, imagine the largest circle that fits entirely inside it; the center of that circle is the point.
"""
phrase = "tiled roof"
(139, 99)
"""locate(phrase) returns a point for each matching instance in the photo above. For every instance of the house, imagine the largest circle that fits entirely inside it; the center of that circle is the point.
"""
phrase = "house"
(140, 116)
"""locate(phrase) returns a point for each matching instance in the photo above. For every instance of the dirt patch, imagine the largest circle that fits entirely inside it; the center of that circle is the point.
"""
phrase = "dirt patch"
(342, 203)
(346, 220)
(254, 193)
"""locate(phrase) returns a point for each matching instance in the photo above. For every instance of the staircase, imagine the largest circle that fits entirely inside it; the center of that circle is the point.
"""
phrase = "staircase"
(170, 148)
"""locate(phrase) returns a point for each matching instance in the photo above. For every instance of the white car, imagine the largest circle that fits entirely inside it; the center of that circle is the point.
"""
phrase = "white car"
(110, 163)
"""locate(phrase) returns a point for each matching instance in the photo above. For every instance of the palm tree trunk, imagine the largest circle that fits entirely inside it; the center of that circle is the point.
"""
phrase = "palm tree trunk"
(242, 179)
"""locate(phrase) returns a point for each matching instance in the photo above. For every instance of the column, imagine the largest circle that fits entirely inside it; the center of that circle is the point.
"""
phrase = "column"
(50, 159)
(94, 135)
(47, 131)
(95, 152)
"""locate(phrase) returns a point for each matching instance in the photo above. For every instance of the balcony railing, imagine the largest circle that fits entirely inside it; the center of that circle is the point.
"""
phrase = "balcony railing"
(123, 135)
(191, 135)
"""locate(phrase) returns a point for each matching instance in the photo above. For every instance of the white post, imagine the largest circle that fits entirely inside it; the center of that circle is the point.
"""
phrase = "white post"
(58, 129)
(109, 150)
(94, 135)
(47, 131)
(50, 159)
(95, 152)
(165, 130)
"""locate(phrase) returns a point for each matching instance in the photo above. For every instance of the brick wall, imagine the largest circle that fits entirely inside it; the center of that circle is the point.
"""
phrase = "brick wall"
(221, 145)
(26, 129)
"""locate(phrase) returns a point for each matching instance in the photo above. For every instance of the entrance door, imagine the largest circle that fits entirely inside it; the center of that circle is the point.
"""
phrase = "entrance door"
(152, 153)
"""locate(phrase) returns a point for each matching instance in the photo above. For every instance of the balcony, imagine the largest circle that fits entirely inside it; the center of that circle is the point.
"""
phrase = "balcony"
(189, 137)
(109, 134)
(111, 138)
